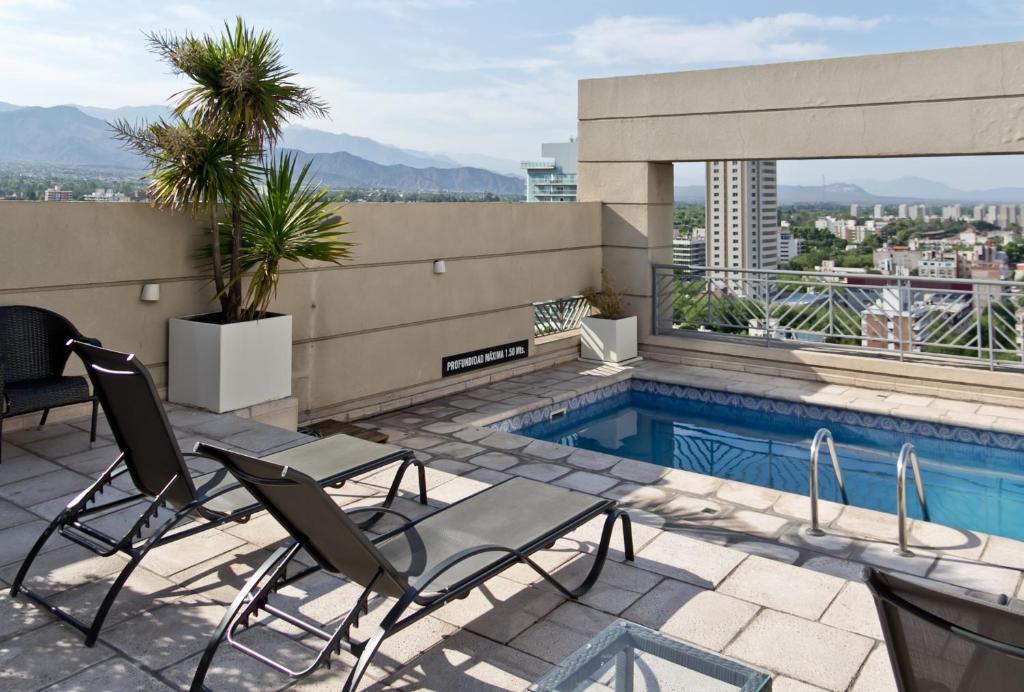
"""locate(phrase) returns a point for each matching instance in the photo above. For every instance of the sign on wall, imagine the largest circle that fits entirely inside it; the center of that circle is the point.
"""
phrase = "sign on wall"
(484, 357)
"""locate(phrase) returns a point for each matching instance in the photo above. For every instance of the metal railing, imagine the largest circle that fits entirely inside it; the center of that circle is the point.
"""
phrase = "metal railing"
(908, 454)
(957, 320)
(560, 315)
(823, 435)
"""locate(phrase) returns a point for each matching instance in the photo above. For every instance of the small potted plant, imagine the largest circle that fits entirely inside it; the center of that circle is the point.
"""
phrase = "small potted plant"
(214, 159)
(610, 336)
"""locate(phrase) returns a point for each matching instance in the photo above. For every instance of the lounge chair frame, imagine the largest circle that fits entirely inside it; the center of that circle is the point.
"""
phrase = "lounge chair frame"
(885, 595)
(273, 575)
(163, 510)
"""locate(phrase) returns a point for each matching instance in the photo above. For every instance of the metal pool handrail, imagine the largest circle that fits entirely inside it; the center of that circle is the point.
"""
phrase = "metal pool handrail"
(907, 453)
(823, 435)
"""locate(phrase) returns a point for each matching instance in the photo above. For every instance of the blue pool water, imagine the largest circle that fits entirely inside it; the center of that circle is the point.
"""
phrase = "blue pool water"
(968, 485)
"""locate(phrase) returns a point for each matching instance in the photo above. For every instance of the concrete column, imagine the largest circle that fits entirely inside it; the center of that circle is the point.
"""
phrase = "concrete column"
(636, 224)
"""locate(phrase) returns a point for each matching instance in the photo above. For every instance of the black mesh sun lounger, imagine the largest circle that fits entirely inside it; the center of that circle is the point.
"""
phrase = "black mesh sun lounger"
(170, 493)
(940, 640)
(424, 564)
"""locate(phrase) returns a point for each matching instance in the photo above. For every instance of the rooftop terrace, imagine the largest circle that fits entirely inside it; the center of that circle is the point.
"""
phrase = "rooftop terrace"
(723, 565)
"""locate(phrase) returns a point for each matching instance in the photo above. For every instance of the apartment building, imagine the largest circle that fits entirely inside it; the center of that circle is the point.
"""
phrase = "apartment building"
(691, 249)
(552, 179)
(742, 215)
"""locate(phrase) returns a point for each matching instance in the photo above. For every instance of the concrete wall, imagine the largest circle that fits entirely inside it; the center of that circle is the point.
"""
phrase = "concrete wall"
(369, 332)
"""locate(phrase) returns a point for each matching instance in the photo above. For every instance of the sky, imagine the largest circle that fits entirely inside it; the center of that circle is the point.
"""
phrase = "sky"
(492, 77)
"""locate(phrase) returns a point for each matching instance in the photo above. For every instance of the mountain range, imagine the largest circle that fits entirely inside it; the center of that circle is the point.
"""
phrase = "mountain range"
(908, 189)
(80, 136)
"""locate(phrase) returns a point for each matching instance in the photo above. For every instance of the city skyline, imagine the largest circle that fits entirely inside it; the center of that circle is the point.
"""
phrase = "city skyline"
(487, 76)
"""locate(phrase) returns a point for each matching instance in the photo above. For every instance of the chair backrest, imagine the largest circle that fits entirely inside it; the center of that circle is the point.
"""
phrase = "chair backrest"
(138, 421)
(33, 342)
(313, 519)
(940, 640)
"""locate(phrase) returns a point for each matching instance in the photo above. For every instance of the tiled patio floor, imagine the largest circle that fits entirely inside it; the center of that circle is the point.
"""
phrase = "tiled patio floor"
(723, 565)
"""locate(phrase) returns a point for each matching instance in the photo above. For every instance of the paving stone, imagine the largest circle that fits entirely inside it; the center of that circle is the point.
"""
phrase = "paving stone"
(143, 591)
(170, 558)
(541, 471)
(495, 460)
(112, 674)
(772, 551)
(12, 515)
(705, 618)
(91, 462)
(868, 523)
(854, 610)
(936, 537)
(505, 441)
(746, 494)
(32, 491)
(65, 567)
(838, 546)
(164, 636)
(586, 482)
(782, 587)
(594, 461)
(14, 469)
(799, 507)
(16, 541)
(9, 451)
(500, 609)
(45, 655)
(488, 476)
(63, 445)
(784, 684)
(752, 523)
(689, 482)
(443, 428)
(472, 433)
(636, 495)
(837, 567)
(455, 450)
(22, 438)
(547, 450)
(422, 441)
(451, 466)
(884, 555)
(466, 661)
(619, 585)
(801, 649)
(638, 471)
(692, 561)
(876, 675)
(970, 575)
(563, 633)
(456, 489)
(20, 615)
(1002, 552)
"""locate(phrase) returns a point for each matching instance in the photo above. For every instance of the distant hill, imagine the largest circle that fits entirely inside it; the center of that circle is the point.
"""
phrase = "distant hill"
(60, 135)
(320, 142)
(342, 169)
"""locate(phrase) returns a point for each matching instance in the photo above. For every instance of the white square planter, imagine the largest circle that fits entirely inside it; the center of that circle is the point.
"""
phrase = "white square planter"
(610, 341)
(223, 367)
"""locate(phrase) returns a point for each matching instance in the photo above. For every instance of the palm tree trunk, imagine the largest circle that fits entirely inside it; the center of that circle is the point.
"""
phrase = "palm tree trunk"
(233, 311)
(218, 264)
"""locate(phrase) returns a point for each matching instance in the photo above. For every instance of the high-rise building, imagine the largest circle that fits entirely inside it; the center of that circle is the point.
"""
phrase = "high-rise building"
(879, 211)
(789, 246)
(979, 213)
(554, 178)
(55, 194)
(690, 250)
(901, 212)
(912, 211)
(855, 210)
(742, 215)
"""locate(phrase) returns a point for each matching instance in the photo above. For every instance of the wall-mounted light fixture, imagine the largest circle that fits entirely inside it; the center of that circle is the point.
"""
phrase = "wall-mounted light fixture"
(150, 293)
(439, 267)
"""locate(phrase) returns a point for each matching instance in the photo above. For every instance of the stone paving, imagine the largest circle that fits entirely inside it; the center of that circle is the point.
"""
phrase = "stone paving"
(723, 565)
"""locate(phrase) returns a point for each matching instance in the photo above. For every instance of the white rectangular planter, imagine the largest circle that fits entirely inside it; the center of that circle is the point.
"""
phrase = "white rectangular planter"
(223, 367)
(610, 341)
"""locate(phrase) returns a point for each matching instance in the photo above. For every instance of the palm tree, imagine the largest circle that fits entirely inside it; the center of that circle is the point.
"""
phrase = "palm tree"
(240, 98)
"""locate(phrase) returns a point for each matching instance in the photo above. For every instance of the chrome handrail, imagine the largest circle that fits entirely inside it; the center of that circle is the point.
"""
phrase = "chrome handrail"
(907, 453)
(823, 435)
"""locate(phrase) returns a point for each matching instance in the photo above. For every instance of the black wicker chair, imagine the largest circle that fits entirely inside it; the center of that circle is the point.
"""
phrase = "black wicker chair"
(33, 352)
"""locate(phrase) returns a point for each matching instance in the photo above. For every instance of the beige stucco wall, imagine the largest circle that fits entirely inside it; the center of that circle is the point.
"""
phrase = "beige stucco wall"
(374, 326)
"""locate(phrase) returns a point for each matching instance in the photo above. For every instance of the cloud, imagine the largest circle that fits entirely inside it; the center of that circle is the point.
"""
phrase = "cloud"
(402, 9)
(609, 41)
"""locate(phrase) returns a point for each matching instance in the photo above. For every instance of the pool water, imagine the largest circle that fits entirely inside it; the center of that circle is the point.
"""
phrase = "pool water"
(968, 486)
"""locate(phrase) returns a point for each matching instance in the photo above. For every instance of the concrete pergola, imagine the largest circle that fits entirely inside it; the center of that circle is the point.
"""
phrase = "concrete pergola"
(957, 101)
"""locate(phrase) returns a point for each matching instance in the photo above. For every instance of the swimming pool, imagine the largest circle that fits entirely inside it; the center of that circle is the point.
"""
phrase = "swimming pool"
(974, 479)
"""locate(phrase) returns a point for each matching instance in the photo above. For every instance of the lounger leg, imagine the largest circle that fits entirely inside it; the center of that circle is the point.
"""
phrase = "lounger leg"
(92, 430)
(274, 567)
(374, 642)
(42, 421)
(395, 484)
(30, 558)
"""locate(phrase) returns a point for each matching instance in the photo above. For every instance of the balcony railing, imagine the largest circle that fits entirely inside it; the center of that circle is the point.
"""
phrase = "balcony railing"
(906, 316)
(561, 315)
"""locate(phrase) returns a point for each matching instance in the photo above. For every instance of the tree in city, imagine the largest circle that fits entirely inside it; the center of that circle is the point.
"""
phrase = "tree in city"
(212, 157)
